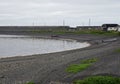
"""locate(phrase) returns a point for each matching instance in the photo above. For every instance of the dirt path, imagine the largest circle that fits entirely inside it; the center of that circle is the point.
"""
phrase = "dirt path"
(42, 69)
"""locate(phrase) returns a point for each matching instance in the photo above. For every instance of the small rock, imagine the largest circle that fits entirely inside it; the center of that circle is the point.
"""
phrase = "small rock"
(54, 36)
(1, 76)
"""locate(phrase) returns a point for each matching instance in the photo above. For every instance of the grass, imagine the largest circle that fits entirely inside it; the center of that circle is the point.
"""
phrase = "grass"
(75, 68)
(88, 61)
(93, 32)
(108, 33)
(30, 83)
(99, 80)
(100, 32)
(118, 50)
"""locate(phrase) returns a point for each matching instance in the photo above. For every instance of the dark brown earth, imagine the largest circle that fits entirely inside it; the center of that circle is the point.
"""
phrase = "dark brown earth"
(46, 68)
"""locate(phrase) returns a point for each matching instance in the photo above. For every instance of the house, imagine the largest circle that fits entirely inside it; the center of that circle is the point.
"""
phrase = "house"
(72, 29)
(119, 28)
(110, 27)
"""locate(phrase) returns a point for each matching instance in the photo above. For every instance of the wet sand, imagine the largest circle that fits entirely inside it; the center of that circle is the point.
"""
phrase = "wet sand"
(45, 68)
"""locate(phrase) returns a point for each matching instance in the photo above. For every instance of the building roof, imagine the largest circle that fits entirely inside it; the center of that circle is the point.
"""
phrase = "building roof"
(110, 25)
(88, 26)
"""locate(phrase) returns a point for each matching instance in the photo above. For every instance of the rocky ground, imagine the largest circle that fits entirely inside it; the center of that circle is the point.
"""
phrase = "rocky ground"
(50, 68)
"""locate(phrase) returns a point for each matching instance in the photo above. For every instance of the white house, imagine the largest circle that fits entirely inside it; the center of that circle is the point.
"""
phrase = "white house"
(119, 28)
(110, 27)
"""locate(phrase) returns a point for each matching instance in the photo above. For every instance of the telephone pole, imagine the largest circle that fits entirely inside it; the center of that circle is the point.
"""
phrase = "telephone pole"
(33, 24)
(63, 22)
(89, 22)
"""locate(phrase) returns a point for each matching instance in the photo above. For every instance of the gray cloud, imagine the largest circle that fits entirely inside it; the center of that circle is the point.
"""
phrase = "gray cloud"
(53, 12)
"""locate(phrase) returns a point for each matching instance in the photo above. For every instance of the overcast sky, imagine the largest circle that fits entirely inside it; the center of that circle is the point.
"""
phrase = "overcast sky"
(53, 12)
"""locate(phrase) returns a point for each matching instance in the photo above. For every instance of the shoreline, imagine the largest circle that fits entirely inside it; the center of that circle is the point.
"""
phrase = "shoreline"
(47, 37)
(51, 67)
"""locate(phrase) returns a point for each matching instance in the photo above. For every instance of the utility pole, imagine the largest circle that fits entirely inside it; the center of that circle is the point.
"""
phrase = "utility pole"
(82, 23)
(63, 22)
(89, 22)
(45, 24)
(33, 23)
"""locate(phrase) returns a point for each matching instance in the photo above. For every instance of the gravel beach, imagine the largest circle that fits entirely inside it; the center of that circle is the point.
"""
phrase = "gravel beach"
(50, 68)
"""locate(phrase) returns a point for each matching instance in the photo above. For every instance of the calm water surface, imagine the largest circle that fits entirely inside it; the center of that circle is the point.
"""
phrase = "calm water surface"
(13, 45)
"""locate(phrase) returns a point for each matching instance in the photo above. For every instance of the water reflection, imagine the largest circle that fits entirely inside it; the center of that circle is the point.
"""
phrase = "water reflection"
(13, 45)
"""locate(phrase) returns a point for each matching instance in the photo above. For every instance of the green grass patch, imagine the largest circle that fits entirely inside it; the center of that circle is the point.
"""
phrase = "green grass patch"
(99, 80)
(88, 61)
(75, 68)
(118, 50)
(30, 83)
(93, 32)
(100, 32)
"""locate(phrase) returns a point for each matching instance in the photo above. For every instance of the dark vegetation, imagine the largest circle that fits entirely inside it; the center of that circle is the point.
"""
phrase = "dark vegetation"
(99, 80)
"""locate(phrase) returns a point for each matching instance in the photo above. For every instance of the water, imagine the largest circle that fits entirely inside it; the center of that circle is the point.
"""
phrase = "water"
(13, 45)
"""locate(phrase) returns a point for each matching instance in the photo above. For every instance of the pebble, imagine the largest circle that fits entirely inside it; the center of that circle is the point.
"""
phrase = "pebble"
(1, 76)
